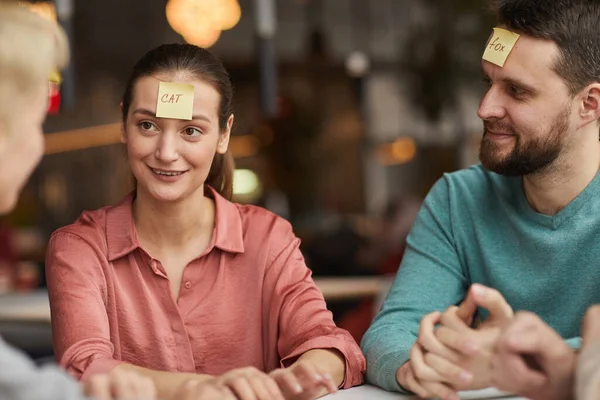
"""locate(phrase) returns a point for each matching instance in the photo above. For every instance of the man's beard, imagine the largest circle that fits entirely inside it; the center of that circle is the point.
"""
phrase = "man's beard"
(525, 158)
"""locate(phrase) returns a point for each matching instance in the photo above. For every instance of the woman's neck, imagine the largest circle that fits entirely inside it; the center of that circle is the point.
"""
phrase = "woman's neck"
(174, 224)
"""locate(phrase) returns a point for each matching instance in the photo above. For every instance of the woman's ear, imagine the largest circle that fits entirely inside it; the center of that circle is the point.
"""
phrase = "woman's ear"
(223, 144)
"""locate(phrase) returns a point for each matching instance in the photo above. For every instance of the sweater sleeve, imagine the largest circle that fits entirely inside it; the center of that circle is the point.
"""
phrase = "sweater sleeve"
(430, 278)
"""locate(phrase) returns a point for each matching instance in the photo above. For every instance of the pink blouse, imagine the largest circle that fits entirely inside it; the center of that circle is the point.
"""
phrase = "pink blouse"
(248, 300)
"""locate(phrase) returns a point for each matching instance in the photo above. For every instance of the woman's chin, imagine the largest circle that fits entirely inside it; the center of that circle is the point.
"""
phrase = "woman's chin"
(167, 196)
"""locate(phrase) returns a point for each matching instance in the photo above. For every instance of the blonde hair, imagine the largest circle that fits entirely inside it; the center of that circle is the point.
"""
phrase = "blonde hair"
(31, 48)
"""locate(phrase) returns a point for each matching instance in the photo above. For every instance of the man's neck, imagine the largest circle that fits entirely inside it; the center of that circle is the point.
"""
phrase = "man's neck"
(553, 189)
(173, 225)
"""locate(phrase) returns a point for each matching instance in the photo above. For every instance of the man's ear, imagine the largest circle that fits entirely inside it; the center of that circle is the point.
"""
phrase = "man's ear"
(589, 110)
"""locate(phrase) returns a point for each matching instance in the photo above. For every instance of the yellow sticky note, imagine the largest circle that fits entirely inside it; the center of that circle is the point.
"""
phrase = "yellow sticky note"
(175, 100)
(500, 46)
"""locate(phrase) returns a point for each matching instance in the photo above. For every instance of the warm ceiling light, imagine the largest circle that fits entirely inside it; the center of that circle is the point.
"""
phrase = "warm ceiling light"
(200, 22)
(401, 151)
(404, 149)
(225, 13)
(178, 16)
(203, 37)
(245, 182)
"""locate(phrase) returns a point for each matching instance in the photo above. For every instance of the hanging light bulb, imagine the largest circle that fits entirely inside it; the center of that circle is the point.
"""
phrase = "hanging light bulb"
(200, 22)
(178, 15)
(226, 13)
(203, 37)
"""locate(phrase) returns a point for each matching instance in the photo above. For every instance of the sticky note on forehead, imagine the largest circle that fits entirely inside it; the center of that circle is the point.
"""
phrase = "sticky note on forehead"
(500, 46)
(175, 100)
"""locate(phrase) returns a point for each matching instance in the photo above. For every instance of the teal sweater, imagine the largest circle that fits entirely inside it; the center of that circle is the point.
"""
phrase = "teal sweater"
(476, 226)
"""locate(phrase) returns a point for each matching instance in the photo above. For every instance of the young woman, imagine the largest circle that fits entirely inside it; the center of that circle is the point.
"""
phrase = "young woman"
(177, 282)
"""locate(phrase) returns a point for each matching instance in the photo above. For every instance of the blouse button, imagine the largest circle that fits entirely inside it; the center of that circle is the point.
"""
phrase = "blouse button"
(188, 285)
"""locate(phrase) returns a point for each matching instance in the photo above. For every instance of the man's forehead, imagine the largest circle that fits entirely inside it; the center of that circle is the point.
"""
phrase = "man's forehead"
(531, 60)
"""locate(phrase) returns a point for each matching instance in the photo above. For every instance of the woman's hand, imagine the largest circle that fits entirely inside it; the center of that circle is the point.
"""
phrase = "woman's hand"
(250, 384)
(119, 384)
(303, 380)
(203, 390)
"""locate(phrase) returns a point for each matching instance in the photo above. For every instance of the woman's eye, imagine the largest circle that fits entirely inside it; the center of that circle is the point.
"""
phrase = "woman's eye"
(147, 126)
(192, 132)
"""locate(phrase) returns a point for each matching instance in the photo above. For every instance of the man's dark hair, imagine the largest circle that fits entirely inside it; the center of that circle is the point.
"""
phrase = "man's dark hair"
(574, 25)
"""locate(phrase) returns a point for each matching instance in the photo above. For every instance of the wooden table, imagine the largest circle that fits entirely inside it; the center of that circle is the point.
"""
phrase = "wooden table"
(25, 322)
(25, 307)
(367, 392)
(349, 288)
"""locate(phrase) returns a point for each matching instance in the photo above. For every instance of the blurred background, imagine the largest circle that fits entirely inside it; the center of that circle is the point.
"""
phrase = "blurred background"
(347, 112)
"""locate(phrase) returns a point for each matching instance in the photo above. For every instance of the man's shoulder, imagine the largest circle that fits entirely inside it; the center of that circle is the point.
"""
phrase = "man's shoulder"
(477, 181)
(471, 189)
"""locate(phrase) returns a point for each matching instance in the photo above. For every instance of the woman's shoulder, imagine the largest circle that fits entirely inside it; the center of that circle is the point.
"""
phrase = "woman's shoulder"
(260, 218)
(91, 226)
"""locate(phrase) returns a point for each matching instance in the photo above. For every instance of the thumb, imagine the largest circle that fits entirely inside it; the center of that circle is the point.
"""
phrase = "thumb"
(466, 309)
(491, 299)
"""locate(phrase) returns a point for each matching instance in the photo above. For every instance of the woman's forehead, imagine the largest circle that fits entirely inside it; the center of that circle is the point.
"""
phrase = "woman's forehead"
(206, 97)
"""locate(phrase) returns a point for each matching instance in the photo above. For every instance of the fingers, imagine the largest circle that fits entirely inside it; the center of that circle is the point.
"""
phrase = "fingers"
(261, 390)
(242, 389)
(453, 374)
(529, 356)
(313, 380)
(451, 320)
(188, 391)
(131, 385)
(493, 301)
(323, 378)
(421, 370)
(207, 390)
(250, 384)
(287, 382)
(511, 373)
(424, 389)
(413, 385)
(456, 341)
(528, 334)
(98, 387)
(120, 386)
(428, 340)
(466, 309)
(439, 390)
(274, 389)
(144, 388)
